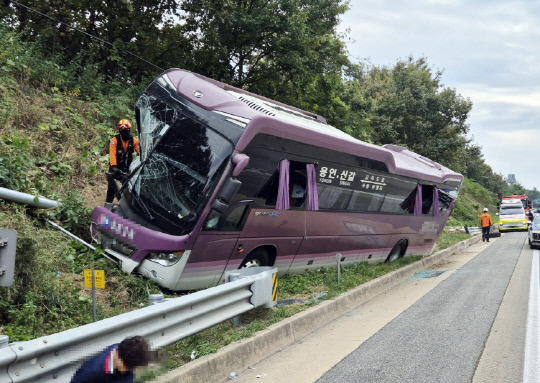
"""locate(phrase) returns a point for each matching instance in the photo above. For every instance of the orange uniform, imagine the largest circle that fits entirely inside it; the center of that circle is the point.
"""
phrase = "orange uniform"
(485, 220)
(113, 150)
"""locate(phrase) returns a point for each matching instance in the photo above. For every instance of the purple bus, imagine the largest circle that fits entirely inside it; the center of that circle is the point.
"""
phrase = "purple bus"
(228, 179)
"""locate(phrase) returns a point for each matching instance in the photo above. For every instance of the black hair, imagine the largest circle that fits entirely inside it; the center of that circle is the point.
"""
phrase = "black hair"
(134, 352)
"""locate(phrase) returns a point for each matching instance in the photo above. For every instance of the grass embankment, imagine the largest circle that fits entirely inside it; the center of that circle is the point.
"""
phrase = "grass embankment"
(471, 201)
(56, 123)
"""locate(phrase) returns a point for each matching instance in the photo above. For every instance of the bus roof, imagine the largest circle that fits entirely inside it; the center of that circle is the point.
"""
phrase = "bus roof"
(262, 115)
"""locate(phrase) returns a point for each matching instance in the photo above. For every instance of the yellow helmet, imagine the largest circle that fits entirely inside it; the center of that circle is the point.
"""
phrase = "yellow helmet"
(124, 124)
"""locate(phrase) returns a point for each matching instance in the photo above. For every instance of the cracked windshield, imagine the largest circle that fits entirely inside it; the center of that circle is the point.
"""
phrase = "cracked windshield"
(181, 158)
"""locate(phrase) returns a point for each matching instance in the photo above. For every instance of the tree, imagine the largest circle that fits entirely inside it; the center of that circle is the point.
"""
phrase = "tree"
(517, 188)
(66, 28)
(409, 107)
(284, 49)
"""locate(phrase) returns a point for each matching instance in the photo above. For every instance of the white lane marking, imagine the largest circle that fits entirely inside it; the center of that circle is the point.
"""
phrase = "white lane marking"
(531, 366)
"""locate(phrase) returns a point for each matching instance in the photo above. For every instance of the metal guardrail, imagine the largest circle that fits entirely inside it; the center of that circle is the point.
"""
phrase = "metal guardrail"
(54, 358)
(473, 230)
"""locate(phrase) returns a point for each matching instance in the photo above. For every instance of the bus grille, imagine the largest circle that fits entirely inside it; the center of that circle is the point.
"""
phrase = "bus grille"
(110, 242)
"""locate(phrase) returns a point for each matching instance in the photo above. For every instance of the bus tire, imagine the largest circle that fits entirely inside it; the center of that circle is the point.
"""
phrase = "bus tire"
(258, 257)
(397, 251)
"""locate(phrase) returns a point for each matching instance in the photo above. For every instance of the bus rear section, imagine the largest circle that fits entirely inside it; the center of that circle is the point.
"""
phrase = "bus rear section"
(227, 179)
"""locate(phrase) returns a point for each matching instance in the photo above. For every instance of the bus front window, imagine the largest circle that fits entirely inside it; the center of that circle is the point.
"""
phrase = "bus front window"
(180, 170)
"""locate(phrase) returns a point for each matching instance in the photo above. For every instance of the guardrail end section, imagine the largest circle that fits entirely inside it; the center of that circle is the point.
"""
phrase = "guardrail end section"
(264, 287)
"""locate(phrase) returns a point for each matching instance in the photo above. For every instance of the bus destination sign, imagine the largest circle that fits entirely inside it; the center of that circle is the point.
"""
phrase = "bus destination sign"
(352, 179)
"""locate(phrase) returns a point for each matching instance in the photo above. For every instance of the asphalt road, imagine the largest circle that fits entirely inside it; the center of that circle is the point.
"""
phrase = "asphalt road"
(442, 336)
(463, 320)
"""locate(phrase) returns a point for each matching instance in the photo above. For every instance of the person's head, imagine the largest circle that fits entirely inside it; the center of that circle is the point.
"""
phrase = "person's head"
(124, 126)
(485, 210)
(133, 352)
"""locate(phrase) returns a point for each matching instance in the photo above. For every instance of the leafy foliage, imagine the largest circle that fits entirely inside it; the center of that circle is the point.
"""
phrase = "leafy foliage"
(472, 199)
(52, 145)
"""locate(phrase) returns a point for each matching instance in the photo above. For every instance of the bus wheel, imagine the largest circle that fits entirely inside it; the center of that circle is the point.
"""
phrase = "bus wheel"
(397, 251)
(258, 257)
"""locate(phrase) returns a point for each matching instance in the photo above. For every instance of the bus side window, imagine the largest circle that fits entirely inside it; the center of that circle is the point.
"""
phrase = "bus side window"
(427, 199)
(333, 197)
(235, 218)
(269, 190)
(400, 197)
(212, 220)
(232, 220)
(297, 184)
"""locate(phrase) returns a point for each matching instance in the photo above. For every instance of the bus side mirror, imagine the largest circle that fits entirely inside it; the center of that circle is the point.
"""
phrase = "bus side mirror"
(228, 190)
(219, 206)
(240, 161)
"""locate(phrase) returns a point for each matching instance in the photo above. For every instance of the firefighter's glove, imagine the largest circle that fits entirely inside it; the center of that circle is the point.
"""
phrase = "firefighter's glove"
(118, 174)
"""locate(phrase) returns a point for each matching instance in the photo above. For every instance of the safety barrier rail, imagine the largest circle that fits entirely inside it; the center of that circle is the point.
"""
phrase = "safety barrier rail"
(473, 230)
(54, 358)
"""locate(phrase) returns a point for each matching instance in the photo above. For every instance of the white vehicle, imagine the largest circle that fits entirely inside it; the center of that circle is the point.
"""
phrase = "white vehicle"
(512, 217)
(534, 232)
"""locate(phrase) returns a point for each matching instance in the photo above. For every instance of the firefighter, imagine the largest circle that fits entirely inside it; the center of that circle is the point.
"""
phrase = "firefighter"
(121, 148)
(486, 223)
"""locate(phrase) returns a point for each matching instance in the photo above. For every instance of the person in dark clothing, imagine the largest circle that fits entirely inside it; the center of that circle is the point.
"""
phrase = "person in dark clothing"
(486, 223)
(115, 363)
(121, 148)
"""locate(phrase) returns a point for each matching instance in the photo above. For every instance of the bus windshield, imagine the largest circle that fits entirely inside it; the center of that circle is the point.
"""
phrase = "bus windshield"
(182, 159)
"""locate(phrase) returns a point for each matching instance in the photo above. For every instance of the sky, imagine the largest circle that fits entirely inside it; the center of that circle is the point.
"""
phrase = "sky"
(489, 52)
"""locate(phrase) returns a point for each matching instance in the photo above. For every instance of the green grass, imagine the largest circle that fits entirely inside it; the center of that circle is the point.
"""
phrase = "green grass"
(448, 239)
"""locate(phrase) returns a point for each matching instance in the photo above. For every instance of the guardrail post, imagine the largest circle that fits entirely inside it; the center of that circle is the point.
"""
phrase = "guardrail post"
(338, 258)
(8, 248)
(237, 320)
(262, 292)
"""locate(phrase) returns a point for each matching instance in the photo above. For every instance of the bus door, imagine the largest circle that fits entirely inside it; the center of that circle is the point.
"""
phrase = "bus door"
(218, 238)
(270, 227)
(270, 237)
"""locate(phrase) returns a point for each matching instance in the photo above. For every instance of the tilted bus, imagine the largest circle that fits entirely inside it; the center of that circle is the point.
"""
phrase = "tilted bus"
(229, 179)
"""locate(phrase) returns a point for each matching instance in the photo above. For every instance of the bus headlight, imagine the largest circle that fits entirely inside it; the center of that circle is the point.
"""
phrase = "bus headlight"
(165, 259)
